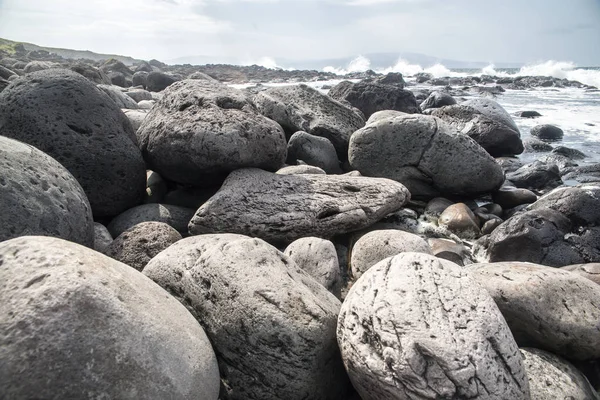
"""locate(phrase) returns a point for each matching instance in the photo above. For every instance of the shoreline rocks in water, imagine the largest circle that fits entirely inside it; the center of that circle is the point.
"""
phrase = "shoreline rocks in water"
(186, 179)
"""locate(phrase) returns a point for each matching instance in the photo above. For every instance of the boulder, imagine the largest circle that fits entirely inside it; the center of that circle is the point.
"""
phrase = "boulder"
(139, 95)
(174, 216)
(201, 130)
(66, 116)
(528, 114)
(425, 155)
(140, 78)
(590, 271)
(546, 308)
(102, 238)
(581, 205)
(135, 117)
(283, 208)
(40, 197)
(509, 197)
(460, 220)
(156, 188)
(551, 377)
(436, 206)
(417, 327)
(487, 123)
(319, 259)
(547, 132)
(118, 73)
(6, 73)
(450, 250)
(140, 243)
(118, 96)
(302, 108)
(380, 244)
(94, 74)
(572, 154)
(537, 176)
(313, 150)
(76, 323)
(159, 81)
(271, 324)
(370, 96)
(535, 145)
(379, 115)
(34, 66)
(437, 99)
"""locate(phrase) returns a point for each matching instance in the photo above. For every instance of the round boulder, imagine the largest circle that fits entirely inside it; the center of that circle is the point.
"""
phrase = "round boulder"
(313, 150)
(460, 220)
(76, 323)
(417, 327)
(38, 196)
(66, 116)
(159, 81)
(547, 132)
(436, 100)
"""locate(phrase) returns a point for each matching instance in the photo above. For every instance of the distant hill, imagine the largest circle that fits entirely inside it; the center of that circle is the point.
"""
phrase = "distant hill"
(9, 46)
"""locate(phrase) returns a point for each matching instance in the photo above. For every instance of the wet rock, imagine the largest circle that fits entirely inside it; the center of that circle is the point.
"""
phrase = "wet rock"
(489, 226)
(283, 208)
(425, 155)
(546, 308)
(200, 130)
(535, 145)
(319, 259)
(436, 206)
(38, 196)
(437, 99)
(547, 132)
(140, 243)
(537, 175)
(267, 319)
(313, 150)
(174, 216)
(509, 164)
(66, 116)
(581, 205)
(415, 326)
(509, 197)
(528, 114)
(460, 220)
(590, 271)
(75, 322)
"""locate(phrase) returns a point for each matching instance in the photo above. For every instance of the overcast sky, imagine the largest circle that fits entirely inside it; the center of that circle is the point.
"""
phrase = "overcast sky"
(469, 30)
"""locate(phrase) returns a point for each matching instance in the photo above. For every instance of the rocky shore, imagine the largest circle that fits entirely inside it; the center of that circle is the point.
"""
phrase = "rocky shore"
(164, 235)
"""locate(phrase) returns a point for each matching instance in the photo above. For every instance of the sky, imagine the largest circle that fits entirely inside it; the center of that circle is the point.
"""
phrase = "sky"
(524, 31)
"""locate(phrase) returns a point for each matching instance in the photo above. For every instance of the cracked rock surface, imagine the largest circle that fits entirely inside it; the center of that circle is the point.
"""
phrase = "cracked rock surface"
(38, 196)
(77, 324)
(546, 308)
(272, 326)
(426, 155)
(283, 208)
(200, 130)
(418, 327)
(551, 377)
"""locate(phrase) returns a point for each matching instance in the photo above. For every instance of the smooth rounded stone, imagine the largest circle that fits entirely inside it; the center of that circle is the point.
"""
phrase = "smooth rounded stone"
(140, 243)
(581, 205)
(118, 96)
(568, 152)
(76, 323)
(302, 108)
(370, 96)
(140, 78)
(537, 175)
(283, 208)
(272, 325)
(159, 81)
(487, 123)
(460, 220)
(135, 117)
(34, 66)
(436, 206)
(418, 327)
(450, 250)
(174, 216)
(437, 99)
(528, 114)
(379, 115)
(509, 164)
(508, 197)
(547, 132)
(590, 271)
(201, 130)
(156, 188)
(535, 145)
(300, 170)
(425, 155)
(313, 150)
(546, 308)
(489, 226)
(551, 377)
(66, 116)
(38, 196)
(139, 94)
(319, 259)
(378, 245)
(102, 238)
(146, 104)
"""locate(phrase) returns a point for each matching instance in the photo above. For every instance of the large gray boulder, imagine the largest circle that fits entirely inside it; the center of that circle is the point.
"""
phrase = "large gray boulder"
(370, 96)
(302, 108)
(437, 99)
(174, 216)
(487, 123)
(581, 205)
(201, 130)
(546, 308)
(381, 244)
(313, 150)
(77, 324)
(66, 116)
(551, 377)
(157, 81)
(272, 325)
(283, 208)
(417, 327)
(38, 196)
(425, 155)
